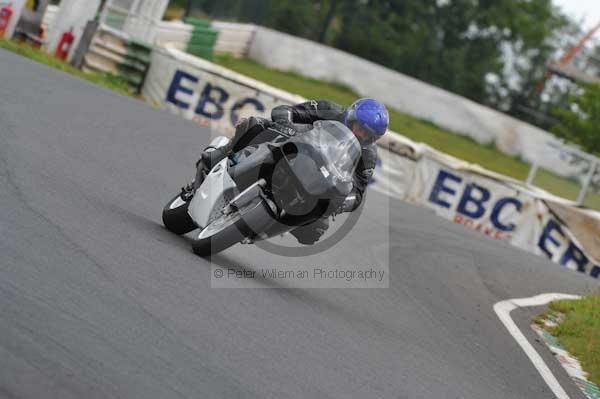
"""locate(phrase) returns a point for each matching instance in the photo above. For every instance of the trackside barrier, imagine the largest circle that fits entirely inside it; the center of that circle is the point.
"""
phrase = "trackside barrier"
(114, 52)
(176, 33)
(206, 93)
(500, 207)
(495, 205)
(233, 39)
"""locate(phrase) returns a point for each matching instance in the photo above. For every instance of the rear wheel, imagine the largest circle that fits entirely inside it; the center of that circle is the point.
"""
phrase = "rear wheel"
(175, 215)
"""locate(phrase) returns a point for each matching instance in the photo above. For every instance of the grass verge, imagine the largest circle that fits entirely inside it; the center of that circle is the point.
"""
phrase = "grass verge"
(111, 82)
(579, 331)
(416, 129)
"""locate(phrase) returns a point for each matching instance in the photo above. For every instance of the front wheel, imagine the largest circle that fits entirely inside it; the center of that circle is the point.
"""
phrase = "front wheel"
(227, 230)
(175, 216)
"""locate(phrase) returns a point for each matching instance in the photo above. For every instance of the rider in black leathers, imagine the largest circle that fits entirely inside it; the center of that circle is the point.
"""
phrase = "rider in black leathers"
(367, 118)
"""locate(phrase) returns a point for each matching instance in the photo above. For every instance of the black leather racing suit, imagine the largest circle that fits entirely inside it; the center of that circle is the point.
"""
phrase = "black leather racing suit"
(307, 113)
(315, 110)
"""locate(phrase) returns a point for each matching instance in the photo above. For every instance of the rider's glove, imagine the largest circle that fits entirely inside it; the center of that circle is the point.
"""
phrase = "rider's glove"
(284, 128)
(349, 204)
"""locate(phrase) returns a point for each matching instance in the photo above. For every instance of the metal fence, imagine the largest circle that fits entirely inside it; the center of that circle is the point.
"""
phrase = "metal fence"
(583, 187)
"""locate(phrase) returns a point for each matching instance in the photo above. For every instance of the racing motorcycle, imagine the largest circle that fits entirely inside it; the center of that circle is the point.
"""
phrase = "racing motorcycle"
(267, 189)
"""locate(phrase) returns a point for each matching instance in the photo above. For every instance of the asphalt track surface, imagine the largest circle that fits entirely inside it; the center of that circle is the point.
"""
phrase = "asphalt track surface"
(98, 300)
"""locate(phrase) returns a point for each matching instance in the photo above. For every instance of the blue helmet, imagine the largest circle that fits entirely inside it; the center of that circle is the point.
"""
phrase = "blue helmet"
(370, 114)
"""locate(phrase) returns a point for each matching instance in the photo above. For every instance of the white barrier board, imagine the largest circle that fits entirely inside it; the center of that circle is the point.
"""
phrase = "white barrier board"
(209, 95)
(501, 210)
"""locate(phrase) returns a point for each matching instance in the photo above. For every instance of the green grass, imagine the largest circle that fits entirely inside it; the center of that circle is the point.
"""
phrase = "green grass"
(109, 81)
(174, 11)
(416, 129)
(579, 332)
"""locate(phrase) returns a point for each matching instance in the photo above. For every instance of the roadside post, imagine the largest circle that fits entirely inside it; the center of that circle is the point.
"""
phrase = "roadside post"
(72, 15)
(14, 8)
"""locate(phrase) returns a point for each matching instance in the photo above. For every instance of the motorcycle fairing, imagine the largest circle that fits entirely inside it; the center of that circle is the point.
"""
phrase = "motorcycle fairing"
(216, 191)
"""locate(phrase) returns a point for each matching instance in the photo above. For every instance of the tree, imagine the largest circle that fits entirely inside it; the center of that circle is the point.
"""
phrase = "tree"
(456, 44)
(297, 18)
(329, 16)
(580, 124)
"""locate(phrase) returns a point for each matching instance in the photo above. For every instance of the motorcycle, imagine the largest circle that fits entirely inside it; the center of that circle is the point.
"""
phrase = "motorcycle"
(267, 189)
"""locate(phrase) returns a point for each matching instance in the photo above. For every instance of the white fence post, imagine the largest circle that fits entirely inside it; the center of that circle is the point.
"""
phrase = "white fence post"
(587, 181)
(532, 172)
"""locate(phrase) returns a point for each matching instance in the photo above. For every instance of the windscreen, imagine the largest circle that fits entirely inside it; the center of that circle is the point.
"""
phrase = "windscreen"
(338, 147)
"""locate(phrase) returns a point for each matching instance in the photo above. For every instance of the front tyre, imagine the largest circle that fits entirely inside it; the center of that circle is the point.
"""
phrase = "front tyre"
(227, 230)
(175, 216)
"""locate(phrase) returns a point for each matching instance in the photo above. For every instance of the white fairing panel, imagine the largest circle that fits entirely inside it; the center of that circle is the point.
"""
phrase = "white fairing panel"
(218, 142)
(209, 198)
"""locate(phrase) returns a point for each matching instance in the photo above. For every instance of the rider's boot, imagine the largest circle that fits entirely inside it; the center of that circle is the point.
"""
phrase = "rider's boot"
(209, 158)
(219, 149)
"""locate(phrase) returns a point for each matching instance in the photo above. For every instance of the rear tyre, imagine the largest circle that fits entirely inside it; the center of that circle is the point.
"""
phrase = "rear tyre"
(175, 216)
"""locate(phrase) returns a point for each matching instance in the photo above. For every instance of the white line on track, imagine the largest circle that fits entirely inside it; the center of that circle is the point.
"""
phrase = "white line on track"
(503, 309)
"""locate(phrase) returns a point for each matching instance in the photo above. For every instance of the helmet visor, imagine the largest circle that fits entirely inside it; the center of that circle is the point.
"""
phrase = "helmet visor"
(362, 133)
